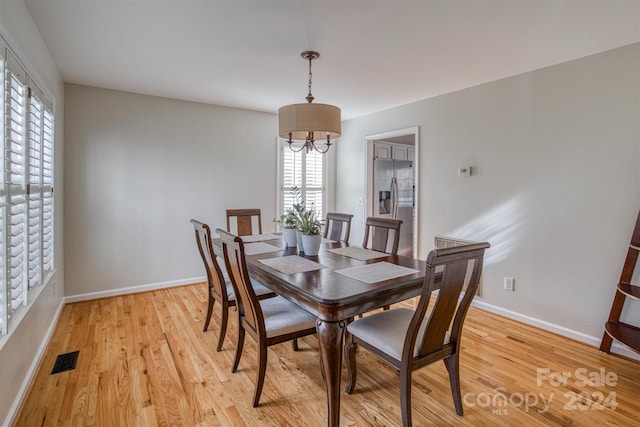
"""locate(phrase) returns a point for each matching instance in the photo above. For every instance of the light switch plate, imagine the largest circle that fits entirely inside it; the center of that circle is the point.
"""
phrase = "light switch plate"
(508, 283)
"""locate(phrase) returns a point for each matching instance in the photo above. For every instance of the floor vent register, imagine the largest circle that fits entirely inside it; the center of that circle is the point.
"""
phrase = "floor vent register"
(65, 362)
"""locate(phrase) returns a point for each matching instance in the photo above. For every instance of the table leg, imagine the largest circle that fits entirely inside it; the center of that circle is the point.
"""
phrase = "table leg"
(330, 336)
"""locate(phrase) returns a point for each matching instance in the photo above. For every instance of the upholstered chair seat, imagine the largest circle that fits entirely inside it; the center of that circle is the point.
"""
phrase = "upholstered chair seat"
(387, 330)
(282, 317)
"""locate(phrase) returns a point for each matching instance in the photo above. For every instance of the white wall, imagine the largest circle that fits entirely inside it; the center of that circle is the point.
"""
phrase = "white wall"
(19, 354)
(139, 167)
(555, 185)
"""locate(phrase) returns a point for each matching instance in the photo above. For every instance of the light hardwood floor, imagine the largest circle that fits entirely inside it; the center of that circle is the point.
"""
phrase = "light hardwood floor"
(144, 361)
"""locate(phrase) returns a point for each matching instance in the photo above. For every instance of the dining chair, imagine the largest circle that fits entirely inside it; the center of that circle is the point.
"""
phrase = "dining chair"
(380, 230)
(244, 219)
(377, 232)
(220, 288)
(411, 339)
(268, 322)
(340, 226)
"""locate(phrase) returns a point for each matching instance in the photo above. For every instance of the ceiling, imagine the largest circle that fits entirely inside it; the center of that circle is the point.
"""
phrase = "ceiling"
(374, 54)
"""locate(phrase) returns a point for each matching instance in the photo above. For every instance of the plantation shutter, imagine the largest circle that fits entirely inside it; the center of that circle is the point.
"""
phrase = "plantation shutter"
(314, 181)
(4, 290)
(305, 171)
(47, 189)
(26, 190)
(292, 176)
(35, 126)
(16, 183)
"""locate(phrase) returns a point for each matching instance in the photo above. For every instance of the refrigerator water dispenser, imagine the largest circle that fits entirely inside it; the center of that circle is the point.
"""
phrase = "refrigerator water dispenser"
(384, 202)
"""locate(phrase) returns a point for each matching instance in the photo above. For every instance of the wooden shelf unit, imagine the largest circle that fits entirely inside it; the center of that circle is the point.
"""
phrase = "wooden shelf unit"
(614, 329)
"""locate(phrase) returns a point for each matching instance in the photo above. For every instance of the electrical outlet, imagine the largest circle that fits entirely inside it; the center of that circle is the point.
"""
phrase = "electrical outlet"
(508, 284)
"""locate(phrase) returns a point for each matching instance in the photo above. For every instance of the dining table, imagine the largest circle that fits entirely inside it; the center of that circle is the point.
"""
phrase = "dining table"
(342, 281)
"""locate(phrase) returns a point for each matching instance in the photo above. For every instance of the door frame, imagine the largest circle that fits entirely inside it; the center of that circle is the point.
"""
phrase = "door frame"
(368, 184)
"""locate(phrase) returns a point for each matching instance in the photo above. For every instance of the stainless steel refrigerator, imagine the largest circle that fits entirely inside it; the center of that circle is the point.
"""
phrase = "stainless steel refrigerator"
(394, 197)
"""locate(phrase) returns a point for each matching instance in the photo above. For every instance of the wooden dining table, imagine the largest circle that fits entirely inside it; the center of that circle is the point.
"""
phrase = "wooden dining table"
(335, 298)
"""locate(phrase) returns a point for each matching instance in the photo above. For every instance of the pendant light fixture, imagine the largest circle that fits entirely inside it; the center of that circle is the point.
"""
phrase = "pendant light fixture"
(308, 123)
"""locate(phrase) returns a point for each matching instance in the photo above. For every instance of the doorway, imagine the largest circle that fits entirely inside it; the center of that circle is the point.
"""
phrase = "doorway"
(393, 156)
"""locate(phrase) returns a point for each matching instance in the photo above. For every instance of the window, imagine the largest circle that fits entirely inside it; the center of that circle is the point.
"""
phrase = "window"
(26, 193)
(306, 171)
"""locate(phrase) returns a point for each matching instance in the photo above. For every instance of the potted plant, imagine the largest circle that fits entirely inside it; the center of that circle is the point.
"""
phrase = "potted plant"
(297, 210)
(310, 224)
(289, 224)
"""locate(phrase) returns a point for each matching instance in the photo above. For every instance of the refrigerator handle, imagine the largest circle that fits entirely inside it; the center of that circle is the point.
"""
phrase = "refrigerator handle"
(394, 198)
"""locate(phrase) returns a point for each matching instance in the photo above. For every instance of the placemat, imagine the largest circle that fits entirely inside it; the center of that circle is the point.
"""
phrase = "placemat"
(358, 253)
(259, 248)
(259, 237)
(292, 264)
(377, 272)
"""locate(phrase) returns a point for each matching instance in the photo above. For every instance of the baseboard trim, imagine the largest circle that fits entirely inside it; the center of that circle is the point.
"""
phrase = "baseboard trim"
(133, 289)
(557, 329)
(33, 369)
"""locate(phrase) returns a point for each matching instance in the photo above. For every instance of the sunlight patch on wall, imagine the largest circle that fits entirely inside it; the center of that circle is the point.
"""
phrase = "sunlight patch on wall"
(498, 226)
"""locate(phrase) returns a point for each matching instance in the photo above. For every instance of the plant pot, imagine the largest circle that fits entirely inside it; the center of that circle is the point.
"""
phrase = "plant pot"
(299, 241)
(289, 237)
(311, 243)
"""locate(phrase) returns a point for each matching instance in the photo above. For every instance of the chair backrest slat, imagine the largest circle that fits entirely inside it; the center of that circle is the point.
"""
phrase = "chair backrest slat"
(336, 231)
(458, 270)
(215, 277)
(337, 223)
(234, 257)
(377, 230)
(244, 220)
